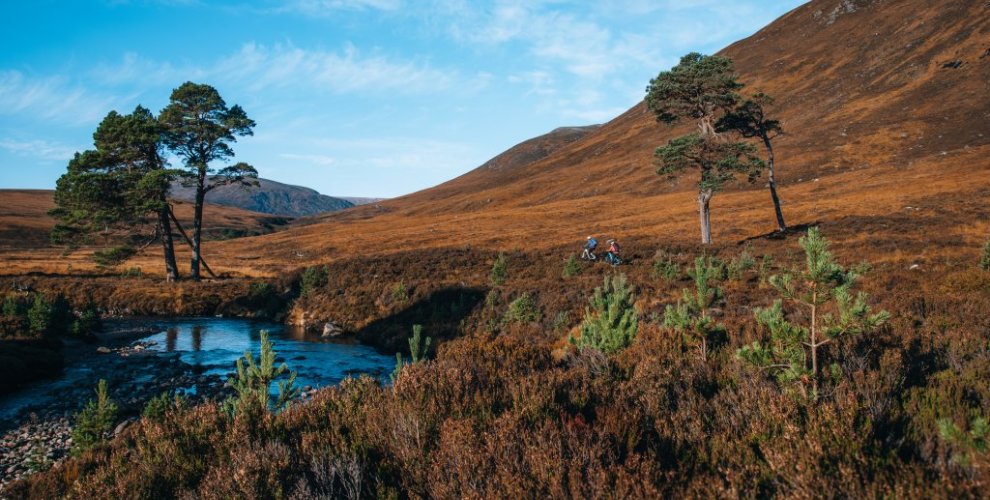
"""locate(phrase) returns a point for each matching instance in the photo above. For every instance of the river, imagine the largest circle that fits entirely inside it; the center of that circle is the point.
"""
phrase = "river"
(191, 356)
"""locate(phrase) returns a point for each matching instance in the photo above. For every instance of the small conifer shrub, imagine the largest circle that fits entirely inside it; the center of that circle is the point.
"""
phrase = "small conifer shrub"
(824, 288)
(985, 259)
(522, 310)
(571, 267)
(312, 278)
(665, 267)
(254, 380)
(610, 320)
(418, 347)
(692, 315)
(499, 270)
(95, 421)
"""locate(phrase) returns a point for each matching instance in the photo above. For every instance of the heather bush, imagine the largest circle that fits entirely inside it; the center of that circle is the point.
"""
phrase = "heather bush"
(499, 271)
(691, 317)
(94, 423)
(610, 321)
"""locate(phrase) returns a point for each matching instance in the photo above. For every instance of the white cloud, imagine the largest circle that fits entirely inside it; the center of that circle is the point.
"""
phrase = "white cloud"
(39, 149)
(52, 98)
(325, 7)
(349, 70)
(324, 161)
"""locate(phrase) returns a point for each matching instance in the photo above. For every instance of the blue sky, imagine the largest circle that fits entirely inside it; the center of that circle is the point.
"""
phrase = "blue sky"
(351, 97)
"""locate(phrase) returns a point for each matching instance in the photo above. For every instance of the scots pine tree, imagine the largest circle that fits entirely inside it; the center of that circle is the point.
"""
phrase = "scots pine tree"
(700, 88)
(750, 120)
(692, 315)
(611, 321)
(199, 129)
(824, 289)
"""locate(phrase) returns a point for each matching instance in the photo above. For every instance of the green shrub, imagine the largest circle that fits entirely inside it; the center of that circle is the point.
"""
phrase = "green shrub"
(400, 293)
(824, 288)
(39, 315)
(160, 405)
(95, 421)
(664, 266)
(766, 266)
(571, 267)
(970, 444)
(132, 272)
(264, 299)
(254, 380)
(692, 315)
(13, 307)
(312, 278)
(499, 270)
(418, 348)
(113, 257)
(739, 264)
(985, 259)
(522, 310)
(87, 324)
(610, 322)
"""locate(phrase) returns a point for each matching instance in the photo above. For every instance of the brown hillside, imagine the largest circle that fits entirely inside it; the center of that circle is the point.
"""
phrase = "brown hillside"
(25, 224)
(884, 103)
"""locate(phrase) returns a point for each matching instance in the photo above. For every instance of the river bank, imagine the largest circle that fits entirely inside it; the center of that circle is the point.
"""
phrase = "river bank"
(143, 357)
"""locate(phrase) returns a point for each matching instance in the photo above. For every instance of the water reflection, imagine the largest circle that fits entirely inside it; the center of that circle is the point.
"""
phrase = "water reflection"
(197, 337)
(171, 335)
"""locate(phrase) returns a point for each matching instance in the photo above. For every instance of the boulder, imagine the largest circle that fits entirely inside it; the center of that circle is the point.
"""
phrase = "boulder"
(331, 330)
(103, 350)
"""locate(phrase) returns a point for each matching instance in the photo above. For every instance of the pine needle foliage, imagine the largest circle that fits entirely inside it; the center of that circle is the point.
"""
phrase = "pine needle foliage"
(825, 289)
(418, 347)
(95, 421)
(571, 267)
(499, 270)
(254, 379)
(691, 317)
(972, 445)
(610, 321)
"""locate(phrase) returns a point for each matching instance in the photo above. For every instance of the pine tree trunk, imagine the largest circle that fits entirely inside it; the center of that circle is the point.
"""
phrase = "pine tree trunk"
(814, 341)
(773, 186)
(198, 224)
(168, 248)
(704, 212)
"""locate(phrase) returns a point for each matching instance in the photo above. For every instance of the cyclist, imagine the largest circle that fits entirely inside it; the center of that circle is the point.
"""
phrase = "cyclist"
(612, 257)
(589, 249)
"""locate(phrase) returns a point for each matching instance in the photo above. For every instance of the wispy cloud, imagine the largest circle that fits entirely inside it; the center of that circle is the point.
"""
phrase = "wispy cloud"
(348, 70)
(325, 7)
(52, 98)
(311, 159)
(38, 149)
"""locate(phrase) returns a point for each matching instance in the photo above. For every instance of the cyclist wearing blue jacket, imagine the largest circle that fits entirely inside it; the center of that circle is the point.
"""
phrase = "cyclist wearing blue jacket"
(589, 249)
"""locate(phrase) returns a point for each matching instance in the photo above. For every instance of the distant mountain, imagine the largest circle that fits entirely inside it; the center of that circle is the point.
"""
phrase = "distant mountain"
(269, 197)
(361, 201)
